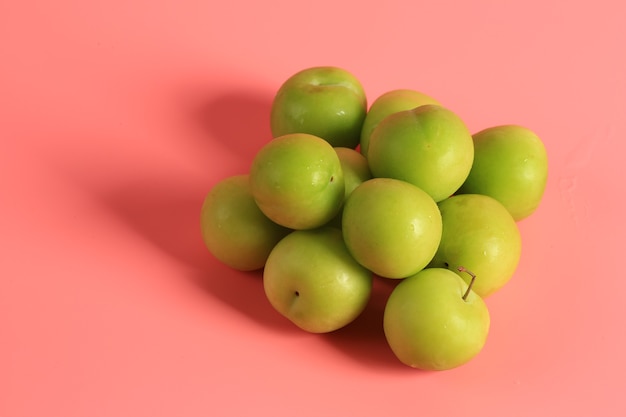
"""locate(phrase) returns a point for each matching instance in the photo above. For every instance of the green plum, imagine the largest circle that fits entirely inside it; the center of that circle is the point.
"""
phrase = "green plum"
(434, 321)
(326, 101)
(510, 165)
(481, 235)
(233, 228)
(392, 101)
(311, 279)
(297, 181)
(391, 227)
(355, 168)
(429, 146)
(355, 171)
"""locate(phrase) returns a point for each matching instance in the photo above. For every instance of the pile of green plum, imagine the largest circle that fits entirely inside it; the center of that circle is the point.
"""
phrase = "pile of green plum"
(344, 194)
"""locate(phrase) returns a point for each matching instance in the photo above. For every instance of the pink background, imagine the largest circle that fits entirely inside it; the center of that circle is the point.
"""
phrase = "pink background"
(117, 117)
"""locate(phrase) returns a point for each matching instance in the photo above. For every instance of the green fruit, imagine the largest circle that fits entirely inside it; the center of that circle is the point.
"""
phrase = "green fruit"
(391, 227)
(510, 165)
(428, 146)
(355, 168)
(328, 102)
(311, 279)
(355, 171)
(429, 324)
(388, 103)
(233, 228)
(481, 235)
(297, 181)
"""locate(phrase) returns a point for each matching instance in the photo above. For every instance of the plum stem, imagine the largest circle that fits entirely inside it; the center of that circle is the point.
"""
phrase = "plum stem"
(471, 283)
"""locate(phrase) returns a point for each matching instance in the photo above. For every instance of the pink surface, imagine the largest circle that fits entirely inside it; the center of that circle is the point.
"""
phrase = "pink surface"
(117, 117)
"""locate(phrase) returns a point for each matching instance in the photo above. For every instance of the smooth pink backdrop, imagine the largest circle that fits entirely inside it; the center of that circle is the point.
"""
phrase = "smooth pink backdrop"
(117, 117)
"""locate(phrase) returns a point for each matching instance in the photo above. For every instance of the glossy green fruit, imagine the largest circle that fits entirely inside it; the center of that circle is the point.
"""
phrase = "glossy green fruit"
(355, 168)
(297, 181)
(429, 325)
(391, 227)
(311, 279)
(355, 171)
(480, 235)
(328, 102)
(510, 165)
(233, 228)
(428, 146)
(386, 104)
